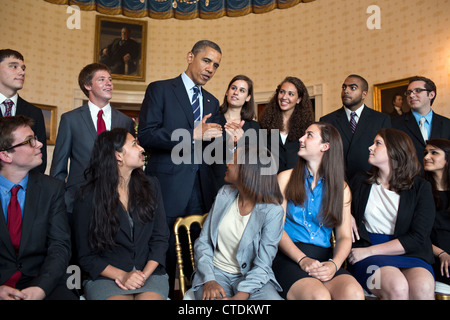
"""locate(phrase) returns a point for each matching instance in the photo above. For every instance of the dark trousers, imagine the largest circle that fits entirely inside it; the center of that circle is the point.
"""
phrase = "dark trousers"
(60, 292)
(195, 206)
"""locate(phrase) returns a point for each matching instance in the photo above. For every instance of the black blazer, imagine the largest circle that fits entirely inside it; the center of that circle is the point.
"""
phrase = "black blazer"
(415, 217)
(219, 169)
(356, 145)
(165, 109)
(27, 109)
(440, 128)
(45, 247)
(150, 241)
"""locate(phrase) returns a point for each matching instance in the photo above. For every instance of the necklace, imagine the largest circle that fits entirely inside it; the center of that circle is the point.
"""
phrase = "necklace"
(312, 235)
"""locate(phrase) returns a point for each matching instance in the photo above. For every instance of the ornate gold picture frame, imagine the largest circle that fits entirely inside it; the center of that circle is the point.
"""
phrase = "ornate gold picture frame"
(121, 45)
(383, 93)
(49, 113)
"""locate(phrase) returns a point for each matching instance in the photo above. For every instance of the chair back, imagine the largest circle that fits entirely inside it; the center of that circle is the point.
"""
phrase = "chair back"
(186, 223)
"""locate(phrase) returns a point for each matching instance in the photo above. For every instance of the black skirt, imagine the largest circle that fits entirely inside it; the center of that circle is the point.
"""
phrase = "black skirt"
(287, 271)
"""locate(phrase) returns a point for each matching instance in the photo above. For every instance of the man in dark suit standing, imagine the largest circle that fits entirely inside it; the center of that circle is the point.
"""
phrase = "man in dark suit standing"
(34, 230)
(12, 78)
(182, 103)
(357, 124)
(79, 128)
(421, 123)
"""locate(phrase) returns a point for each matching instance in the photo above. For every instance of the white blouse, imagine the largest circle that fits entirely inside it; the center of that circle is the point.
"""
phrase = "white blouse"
(229, 236)
(381, 210)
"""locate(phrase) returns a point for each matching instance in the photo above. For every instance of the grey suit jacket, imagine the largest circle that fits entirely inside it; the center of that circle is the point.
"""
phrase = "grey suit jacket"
(257, 248)
(74, 142)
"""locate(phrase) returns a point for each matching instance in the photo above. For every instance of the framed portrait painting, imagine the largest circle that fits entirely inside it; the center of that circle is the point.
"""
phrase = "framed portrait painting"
(49, 113)
(121, 45)
(389, 95)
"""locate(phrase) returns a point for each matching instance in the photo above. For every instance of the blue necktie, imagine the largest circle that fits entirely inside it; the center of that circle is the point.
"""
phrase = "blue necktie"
(196, 105)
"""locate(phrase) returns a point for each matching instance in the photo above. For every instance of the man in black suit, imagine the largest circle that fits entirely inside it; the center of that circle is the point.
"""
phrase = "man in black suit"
(420, 96)
(356, 138)
(78, 129)
(12, 78)
(123, 54)
(167, 120)
(34, 231)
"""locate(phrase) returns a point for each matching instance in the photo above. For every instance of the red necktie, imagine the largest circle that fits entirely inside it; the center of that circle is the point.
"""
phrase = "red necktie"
(14, 225)
(100, 122)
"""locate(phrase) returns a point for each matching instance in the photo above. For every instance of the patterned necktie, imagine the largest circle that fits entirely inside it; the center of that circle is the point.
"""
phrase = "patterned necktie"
(8, 104)
(196, 105)
(423, 130)
(14, 225)
(101, 126)
(353, 121)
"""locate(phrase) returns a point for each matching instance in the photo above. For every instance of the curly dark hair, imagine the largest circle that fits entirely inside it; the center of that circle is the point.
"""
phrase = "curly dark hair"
(301, 118)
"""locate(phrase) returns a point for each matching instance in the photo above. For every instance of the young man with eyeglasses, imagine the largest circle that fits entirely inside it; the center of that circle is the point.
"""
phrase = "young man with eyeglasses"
(421, 123)
(35, 243)
(12, 78)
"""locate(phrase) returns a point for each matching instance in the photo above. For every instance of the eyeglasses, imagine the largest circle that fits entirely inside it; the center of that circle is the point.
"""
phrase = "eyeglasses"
(416, 91)
(31, 141)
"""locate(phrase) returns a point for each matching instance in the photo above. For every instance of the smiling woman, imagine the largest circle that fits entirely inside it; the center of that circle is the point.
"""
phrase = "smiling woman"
(288, 114)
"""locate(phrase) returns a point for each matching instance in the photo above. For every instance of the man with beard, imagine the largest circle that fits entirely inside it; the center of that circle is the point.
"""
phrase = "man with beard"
(357, 124)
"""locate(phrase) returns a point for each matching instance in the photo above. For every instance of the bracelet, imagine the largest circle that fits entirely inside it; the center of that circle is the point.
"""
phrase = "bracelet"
(440, 254)
(298, 263)
(334, 264)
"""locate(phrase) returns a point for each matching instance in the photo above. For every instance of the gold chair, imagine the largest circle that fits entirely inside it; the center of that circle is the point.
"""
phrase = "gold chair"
(442, 291)
(186, 223)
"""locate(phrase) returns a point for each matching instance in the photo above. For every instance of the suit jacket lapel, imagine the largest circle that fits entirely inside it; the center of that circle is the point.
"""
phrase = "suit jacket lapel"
(411, 124)
(4, 234)
(208, 107)
(253, 226)
(87, 120)
(221, 207)
(436, 126)
(343, 123)
(183, 99)
(30, 208)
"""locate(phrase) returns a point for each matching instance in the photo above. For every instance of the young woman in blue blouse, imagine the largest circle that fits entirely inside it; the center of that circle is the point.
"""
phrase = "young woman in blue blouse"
(316, 201)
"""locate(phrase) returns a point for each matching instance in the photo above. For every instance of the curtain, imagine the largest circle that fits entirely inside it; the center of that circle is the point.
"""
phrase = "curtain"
(180, 9)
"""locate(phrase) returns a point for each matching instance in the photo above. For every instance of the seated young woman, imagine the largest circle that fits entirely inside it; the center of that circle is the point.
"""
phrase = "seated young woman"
(436, 165)
(316, 200)
(120, 224)
(394, 211)
(239, 239)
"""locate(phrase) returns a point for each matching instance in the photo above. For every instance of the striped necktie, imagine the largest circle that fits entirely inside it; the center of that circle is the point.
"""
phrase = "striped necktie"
(196, 105)
(353, 121)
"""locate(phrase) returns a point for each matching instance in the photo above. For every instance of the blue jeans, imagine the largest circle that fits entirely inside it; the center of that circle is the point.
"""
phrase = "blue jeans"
(230, 282)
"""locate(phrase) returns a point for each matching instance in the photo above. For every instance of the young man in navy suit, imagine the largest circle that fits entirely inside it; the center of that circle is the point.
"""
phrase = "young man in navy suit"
(367, 122)
(187, 188)
(34, 232)
(12, 78)
(420, 96)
